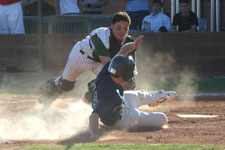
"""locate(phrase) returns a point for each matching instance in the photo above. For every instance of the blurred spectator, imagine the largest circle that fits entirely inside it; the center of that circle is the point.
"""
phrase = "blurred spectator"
(137, 10)
(32, 8)
(93, 6)
(11, 17)
(186, 20)
(156, 21)
(68, 7)
(24, 3)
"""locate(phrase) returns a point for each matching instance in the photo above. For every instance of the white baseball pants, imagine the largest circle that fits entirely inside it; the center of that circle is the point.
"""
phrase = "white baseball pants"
(78, 63)
(132, 117)
(11, 19)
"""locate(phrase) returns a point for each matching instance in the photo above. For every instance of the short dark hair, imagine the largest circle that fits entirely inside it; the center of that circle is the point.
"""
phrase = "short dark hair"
(184, 1)
(158, 2)
(121, 16)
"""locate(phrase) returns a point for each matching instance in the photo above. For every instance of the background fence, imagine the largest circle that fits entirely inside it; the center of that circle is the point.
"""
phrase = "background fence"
(202, 52)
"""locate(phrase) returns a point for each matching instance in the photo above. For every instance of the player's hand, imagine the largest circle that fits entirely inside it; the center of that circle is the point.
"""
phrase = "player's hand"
(94, 136)
(138, 41)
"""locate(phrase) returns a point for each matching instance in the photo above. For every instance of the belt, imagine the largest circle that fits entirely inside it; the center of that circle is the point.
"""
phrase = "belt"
(89, 57)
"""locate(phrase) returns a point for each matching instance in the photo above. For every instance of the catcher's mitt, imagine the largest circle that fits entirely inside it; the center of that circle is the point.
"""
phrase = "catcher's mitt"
(165, 96)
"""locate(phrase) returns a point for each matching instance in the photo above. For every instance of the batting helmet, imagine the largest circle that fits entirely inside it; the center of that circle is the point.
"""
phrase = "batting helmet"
(122, 66)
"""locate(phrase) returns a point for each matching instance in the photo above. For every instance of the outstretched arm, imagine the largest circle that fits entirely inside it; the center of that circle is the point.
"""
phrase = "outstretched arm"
(104, 59)
(93, 126)
(129, 47)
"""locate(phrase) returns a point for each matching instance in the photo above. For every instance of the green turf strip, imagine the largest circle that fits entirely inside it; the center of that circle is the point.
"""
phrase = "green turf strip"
(125, 147)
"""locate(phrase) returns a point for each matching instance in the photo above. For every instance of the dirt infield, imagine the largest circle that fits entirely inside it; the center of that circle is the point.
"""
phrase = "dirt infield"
(189, 130)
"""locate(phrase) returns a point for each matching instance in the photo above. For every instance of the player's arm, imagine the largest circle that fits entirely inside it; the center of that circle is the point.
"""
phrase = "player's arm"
(100, 49)
(104, 59)
(129, 47)
(93, 125)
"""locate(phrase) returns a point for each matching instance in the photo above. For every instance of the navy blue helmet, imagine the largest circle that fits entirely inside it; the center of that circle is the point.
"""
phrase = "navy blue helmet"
(122, 66)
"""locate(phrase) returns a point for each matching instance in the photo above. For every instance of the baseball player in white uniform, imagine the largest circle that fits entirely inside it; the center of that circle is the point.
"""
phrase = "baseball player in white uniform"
(89, 54)
(11, 17)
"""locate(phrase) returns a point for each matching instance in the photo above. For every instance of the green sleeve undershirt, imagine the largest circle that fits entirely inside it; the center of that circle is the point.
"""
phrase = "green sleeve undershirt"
(99, 47)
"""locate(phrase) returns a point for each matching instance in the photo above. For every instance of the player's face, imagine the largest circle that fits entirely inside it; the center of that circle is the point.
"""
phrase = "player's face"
(120, 29)
(184, 7)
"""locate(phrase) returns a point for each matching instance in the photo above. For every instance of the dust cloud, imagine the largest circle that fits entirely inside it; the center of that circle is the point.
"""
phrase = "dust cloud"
(52, 123)
(156, 70)
(159, 71)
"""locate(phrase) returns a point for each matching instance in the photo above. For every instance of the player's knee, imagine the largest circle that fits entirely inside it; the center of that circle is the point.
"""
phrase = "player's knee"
(65, 85)
(162, 119)
(142, 94)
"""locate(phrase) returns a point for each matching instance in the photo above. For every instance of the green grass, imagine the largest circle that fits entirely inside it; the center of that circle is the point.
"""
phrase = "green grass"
(125, 147)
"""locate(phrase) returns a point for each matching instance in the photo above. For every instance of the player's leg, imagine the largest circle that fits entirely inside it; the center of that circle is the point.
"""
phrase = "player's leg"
(15, 18)
(146, 119)
(76, 65)
(49, 92)
(132, 117)
(141, 97)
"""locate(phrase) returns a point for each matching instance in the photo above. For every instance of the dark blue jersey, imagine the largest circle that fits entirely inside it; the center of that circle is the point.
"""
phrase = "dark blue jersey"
(108, 98)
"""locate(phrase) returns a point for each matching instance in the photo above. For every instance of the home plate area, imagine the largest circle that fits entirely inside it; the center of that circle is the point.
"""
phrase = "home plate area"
(24, 122)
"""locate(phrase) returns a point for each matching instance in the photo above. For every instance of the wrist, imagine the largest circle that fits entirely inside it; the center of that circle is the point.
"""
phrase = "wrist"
(94, 136)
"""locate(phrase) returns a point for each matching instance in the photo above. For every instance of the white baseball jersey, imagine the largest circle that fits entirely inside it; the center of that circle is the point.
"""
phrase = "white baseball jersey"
(84, 55)
(153, 23)
(11, 19)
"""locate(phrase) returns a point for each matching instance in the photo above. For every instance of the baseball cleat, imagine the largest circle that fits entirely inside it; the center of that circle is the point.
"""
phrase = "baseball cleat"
(167, 96)
(48, 93)
(164, 96)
